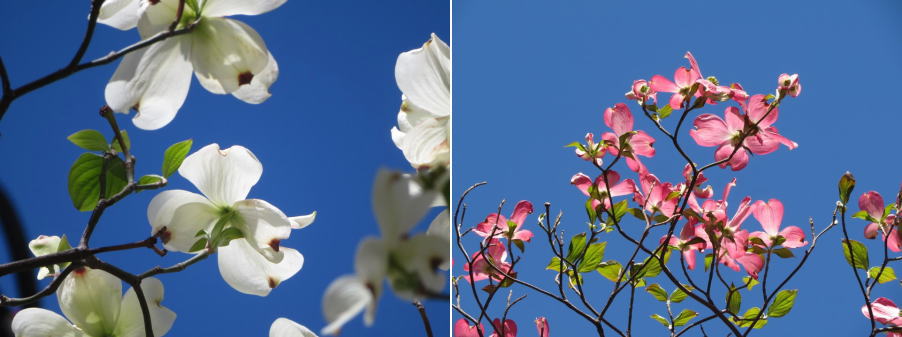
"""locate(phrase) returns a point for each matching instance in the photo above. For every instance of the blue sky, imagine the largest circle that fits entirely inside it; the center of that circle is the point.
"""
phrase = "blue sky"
(531, 77)
(321, 138)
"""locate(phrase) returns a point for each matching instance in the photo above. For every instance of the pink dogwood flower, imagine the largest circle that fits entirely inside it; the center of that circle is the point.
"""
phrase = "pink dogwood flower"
(656, 196)
(885, 312)
(508, 329)
(462, 328)
(770, 215)
(498, 224)
(620, 119)
(641, 91)
(602, 183)
(542, 326)
(710, 130)
(683, 79)
(591, 145)
(872, 203)
(734, 253)
(790, 84)
(682, 243)
(481, 268)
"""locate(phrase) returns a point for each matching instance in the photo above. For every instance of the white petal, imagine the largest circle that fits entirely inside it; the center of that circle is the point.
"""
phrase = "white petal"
(263, 225)
(157, 16)
(153, 80)
(371, 262)
(131, 319)
(423, 254)
(36, 322)
(441, 228)
(258, 90)
(301, 221)
(90, 298)
(227, 54)
(219, 8)
(399, 203)
(224, 176)
(183, 214)
(243, 268)
(427, 144)
(120, 14)
(283, 327)
(345, 297)
(423, 75)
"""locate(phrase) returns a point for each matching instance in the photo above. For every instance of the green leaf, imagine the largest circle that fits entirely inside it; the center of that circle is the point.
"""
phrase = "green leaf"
(574, 144)
(519, 244)
(887, 275)
(751, 283)
(734, 300)
(748, 317)
(555, 265)
(859, 252)
(149, 179)
(84, 180)
(198, 245)
(661, 320)
(620, 209)
(657, 292)
(610, 270)
(684, 317)
(128, 142)
(576, 247)
(91, 140)
(174, 156)
(846, 185)
(665, 111)
(708, 259)
(679, 295)
(784, 253)
(782, 303)
(594, 255)
(590, 209)
(863, 215)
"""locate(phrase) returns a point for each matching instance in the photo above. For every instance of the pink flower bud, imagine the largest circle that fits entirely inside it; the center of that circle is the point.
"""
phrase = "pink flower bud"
(641, 91)
(789, 83)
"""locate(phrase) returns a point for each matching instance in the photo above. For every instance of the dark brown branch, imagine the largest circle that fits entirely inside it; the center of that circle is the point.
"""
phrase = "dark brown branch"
(424, 317)
(89, 33)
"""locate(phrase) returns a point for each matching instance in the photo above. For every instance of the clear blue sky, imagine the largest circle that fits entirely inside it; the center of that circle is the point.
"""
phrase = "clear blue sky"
(531, 77)
(321, 138)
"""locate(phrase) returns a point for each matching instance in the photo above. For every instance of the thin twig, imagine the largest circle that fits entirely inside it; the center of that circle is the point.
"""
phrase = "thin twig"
(422, 310)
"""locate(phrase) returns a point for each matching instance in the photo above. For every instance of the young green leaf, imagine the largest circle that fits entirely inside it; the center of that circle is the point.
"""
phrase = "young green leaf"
(594, 255)
(657, 292)
(610, 270)
(661, 320)
(149, 179)
(84, 180)
(734, 300)
(750, 282)
(555, 265)
(859, 252)
(684, 317)
(665, 111)
(783, 253)
(91, 140)
(576, 247)
(679, 295)
(749, 316)
(198, 245)
(782, 303)
(174, 156)
(887, 275)
(846, 185)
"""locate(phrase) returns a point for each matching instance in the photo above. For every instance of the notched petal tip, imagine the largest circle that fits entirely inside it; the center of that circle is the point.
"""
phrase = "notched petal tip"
(245, 78)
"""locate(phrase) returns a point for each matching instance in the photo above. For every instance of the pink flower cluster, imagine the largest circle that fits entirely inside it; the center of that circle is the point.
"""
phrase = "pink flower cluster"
(462, 328)
(494, 229)
(885, 312)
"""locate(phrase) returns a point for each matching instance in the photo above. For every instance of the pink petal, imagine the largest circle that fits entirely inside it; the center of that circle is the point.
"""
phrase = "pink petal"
(676, 101)
(542, 326)
(739, 161)
(752, 264)
(761, 143)
(884, 310)
(893, 242)
(510, 328)
(795, 237)
(734, 120)
(709, 130)
(756, 109)
(763, 236)
(619, 118)
(773, 133)
(689, 256)
(463, 329)
(742, 213)
(582, 182)
(662, 84)
(872, 202)
(636, 165)
(693, 63)
(643, 144)
(684, 77)
(522, 209)
(625, 187)
(870, 231)
(524, 235)
(770, 215)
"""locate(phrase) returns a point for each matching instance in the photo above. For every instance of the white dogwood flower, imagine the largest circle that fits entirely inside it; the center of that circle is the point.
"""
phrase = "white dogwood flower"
(45, 245)
(253, 262)
(424, 129)
(283, 327)
(409, 262)
(92, 300)
(226, 55)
